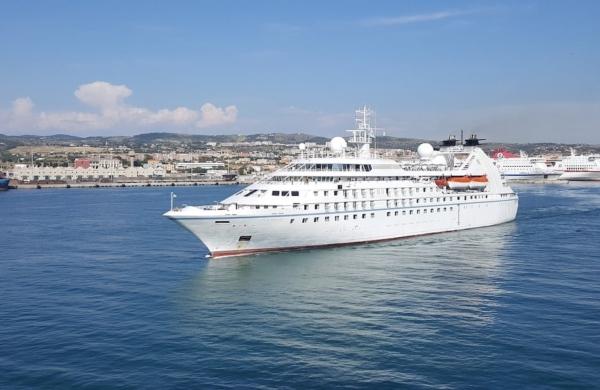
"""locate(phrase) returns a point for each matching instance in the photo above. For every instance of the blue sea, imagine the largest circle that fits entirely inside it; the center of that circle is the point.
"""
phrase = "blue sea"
(98, 290)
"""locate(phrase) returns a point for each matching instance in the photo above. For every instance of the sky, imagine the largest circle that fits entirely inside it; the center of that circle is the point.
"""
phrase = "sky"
(511, 71)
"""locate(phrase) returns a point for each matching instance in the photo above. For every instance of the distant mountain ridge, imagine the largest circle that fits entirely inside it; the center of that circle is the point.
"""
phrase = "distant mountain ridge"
(197, 140)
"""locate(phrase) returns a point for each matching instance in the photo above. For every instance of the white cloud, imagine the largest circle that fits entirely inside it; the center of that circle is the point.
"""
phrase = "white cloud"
(103, 95)
(22, 107)
(406, 19)
(110, 112)
(212, 115)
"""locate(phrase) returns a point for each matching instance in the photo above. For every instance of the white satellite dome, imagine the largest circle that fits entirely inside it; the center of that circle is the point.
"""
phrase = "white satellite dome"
(302, 146)
(337, 144)
(425, 150)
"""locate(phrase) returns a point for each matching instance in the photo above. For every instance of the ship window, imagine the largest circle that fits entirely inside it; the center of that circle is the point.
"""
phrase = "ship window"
(411, 212)
(450, 208)
(292, 220)
(335, 193)
(305, 207)
(326, 219)
(257, 206)
(364, 216)
(418, 211)
(250, 193)
(285, 193)
(304, 220)
(316, 193)
(244, 238)
(337, 217)
(275, 193)
(295, 193)
(438, 210)
(221, 221)
(265, 207)
(424, 211)
(388, 213)
(316, 207)
(325, 193)
(316, 219)
(403, 212)
(354, 216)
(424, 189)
(345, 217)
(372, 215)
(395, 213)
(432, 210)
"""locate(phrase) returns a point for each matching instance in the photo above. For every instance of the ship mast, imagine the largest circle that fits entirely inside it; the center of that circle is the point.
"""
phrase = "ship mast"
(364, 133)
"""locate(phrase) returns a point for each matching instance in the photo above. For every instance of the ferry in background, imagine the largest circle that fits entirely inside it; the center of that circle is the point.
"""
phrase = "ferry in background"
(580, 168)
(349, 195)
(4, 181)
(522, 167)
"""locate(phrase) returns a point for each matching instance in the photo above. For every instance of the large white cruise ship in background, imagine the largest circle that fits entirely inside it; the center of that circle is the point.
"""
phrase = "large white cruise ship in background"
(522, 167)
(351, 196)
(580, 168)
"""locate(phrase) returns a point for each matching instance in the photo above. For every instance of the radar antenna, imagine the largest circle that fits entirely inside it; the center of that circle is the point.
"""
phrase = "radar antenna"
(364, 133)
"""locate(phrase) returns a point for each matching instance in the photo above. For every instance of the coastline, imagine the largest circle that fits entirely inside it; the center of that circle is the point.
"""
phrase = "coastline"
(91, 185)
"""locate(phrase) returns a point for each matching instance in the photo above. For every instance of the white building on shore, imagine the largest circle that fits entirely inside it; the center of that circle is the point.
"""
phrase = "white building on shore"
(94, 172)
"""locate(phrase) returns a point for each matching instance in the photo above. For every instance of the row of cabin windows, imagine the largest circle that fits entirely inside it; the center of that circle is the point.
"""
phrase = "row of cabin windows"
(331, 167)
(353, 193)
(285, 193)
(310, 179)
(389, 203)
(371, 204)
(372, 215)
(431, 211)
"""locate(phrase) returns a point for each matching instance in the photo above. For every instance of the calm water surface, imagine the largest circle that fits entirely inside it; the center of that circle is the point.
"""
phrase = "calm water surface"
(97, 290)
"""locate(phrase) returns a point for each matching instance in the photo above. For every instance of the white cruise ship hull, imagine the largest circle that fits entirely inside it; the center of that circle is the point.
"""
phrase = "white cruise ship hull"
(240, 235)
(530, 176)
(580, 176)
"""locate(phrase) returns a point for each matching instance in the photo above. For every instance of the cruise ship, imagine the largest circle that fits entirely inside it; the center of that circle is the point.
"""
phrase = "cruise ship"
(350, 196)
(522, 167)
(580, 168)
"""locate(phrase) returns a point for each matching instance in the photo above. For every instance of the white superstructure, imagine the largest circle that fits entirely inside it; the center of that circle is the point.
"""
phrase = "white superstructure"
(524, 167)
(351, 196)
(580, 168)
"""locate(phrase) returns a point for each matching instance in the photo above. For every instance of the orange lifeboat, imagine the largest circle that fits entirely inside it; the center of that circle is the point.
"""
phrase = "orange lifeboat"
(441, 182)
(459, 182)
(478, 182)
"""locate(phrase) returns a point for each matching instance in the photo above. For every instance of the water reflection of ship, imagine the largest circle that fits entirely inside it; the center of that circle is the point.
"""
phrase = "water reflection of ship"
(431, 277)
